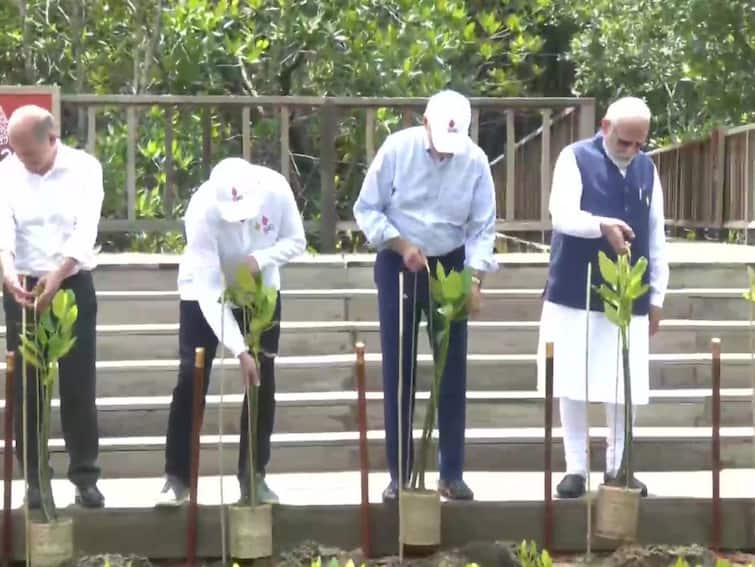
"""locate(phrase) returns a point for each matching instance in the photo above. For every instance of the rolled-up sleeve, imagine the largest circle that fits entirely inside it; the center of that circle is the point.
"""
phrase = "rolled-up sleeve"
(480, 243)
(369, 208)
(80, 244)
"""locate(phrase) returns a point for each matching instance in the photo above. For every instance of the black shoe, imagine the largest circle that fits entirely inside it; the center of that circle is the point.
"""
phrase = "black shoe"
(634, 483)
(89, 496)
(571, 486)
(34, 498)
(455, 490)
(391, 492)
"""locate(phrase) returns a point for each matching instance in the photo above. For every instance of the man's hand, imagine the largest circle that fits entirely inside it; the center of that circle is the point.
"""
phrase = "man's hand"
(655, 316)
(618, 233)
(49, 284)
(474, 300)
(249, 373)
(414, 259)
(14, 287)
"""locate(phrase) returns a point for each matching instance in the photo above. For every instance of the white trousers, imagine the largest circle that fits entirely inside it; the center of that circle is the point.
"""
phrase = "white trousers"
(574, 425)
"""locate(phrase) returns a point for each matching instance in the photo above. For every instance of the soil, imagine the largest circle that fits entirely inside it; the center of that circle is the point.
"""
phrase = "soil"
(484, 554)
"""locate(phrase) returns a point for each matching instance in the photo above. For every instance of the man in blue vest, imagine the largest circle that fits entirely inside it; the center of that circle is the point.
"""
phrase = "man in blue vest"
(428, 197)
(606, 195)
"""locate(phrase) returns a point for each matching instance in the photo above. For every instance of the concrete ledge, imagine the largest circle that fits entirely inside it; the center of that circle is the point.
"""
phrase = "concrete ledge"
(161, 535)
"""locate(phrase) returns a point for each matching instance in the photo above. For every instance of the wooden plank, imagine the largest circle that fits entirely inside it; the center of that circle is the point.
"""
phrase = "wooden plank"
(206, 141)
(475, 133)
(131, 163)
(170, 172)
(328, 125)
(140, 225)
(718, 163)
(369, 135)
(285, 143)
(545, 165)
(246, 134)
(587, 122)
(92, 130)
(313, 101)
(510, 166)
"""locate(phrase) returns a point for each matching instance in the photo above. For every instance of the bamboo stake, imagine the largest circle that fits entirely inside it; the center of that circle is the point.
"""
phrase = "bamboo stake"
(364, 463)
(548, 526)
(196, 427)
(588, 498)
(399, 396)
(716, 442)
(221, 508)
(25, 434)
(10, 377)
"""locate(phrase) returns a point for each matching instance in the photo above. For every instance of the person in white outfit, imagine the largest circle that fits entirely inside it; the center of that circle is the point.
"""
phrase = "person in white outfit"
(243, 215)
(606, 195)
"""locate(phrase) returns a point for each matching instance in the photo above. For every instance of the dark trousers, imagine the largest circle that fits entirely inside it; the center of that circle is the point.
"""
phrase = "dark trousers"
(194, 332)
(76, 383)
(451, 401)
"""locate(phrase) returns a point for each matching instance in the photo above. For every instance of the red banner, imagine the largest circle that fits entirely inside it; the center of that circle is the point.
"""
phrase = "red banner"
(13, 97)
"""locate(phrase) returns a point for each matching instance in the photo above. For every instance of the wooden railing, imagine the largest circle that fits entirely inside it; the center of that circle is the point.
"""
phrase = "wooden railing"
(710, 183)
(522, 180)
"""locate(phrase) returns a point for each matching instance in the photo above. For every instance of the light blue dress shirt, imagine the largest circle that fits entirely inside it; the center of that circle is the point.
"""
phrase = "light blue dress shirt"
(437, 205)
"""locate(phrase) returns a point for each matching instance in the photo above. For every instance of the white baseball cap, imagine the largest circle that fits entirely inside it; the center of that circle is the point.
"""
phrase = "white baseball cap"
(449, 115)
(238, 189)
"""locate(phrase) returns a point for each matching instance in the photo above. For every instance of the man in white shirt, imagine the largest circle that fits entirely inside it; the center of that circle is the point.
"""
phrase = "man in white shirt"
(244, 214)
(606, 196)
(50, 206)
(428, 197)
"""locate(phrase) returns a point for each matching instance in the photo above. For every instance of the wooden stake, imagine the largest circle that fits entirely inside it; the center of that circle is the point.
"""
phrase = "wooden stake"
(548, 527)
(196, 427)
(364, 462)
(716, 461)
(10, 377)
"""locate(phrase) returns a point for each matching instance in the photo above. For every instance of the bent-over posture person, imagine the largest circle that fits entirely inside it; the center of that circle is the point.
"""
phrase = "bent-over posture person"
(244, 214)
(606, 195)
(428, 197)
(50, 205)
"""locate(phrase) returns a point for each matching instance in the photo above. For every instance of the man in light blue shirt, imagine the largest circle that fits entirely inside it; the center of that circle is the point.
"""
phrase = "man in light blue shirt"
(428, 197)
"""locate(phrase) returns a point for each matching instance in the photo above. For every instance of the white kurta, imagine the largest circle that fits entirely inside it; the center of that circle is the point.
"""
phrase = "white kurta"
(566, 327)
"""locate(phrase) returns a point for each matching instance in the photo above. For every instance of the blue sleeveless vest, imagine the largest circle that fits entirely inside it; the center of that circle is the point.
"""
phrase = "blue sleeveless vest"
(605, 193)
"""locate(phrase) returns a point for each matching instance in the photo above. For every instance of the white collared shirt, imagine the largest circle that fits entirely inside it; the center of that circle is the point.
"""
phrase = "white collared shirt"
(215, 249)
(47, 218)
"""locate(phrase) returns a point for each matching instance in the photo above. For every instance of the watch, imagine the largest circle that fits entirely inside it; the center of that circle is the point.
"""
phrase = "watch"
(477, 281)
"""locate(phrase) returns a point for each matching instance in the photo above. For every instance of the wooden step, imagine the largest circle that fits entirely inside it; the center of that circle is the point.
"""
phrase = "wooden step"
(343, 304)
(124, 342)
(499, 449)
(330, 373)
(336, 412)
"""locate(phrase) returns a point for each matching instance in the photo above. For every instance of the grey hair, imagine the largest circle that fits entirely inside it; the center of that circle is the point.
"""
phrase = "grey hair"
(627, 108)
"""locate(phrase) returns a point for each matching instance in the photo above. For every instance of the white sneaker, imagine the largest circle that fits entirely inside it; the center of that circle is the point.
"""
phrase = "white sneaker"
(173, 494)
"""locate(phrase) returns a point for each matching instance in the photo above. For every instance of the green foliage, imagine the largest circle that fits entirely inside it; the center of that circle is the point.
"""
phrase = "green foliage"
(622, 286)
(260, 47)
(690, 59)
(749, 295)
(449, 294)
(257, 303)
(528, 556)
(42, 345)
